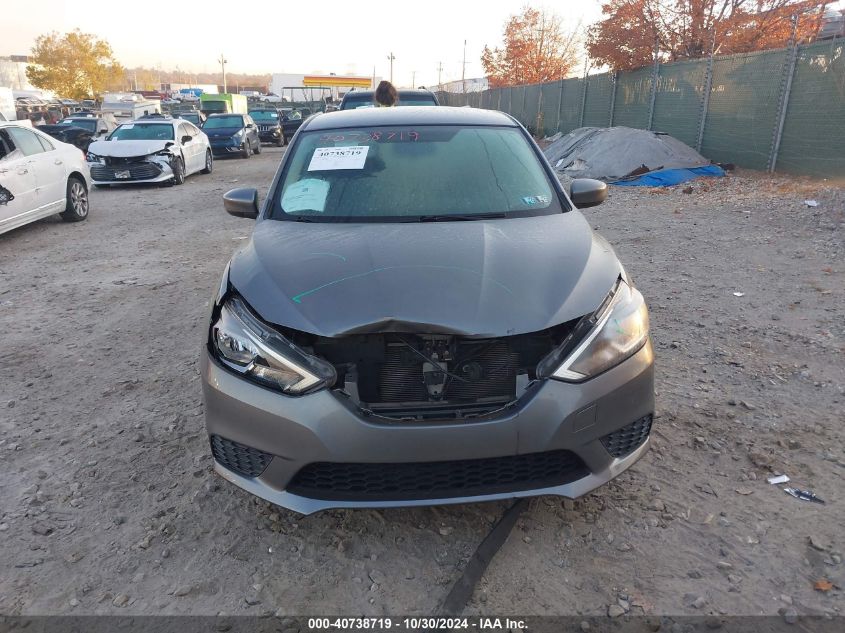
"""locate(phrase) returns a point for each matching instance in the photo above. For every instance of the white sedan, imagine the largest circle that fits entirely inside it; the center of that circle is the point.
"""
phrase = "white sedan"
(39, 176)
(151, 149)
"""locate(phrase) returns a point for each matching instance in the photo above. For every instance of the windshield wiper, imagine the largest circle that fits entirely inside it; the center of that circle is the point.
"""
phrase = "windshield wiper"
(462, 217)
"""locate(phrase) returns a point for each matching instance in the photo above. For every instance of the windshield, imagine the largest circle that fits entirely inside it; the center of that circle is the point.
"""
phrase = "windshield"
(264, 115)
(408, 173)
(85, 124)
(224, 121)
(143, 132)
(215, 106)
(193, 118)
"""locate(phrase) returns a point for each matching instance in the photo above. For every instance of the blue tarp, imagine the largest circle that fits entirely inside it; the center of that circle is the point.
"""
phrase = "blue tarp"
(669, 177)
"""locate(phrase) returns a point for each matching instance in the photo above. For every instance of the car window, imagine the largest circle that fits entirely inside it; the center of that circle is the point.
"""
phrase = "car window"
(393, 174)
(143, 132)
(224, 121)
(27, 141)
(184, 131)
(8, 150)
(47, 145)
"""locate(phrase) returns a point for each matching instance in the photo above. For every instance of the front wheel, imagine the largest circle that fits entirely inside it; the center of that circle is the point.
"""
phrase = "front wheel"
(76, 207)
(247, 150)
(178, 168)
(209, 162)
(258, 147)
(281, 141)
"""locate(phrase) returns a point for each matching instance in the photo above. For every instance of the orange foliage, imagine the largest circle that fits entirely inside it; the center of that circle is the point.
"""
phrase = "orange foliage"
(535, 50)
(686, 29)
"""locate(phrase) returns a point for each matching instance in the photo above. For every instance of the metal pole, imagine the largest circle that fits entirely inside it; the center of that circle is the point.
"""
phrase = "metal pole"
(708, 87)
(499, 99)
(654, 77)
(463, 69)
(784, 99)
(583, 97)
(615, 80)
(559, 104)
(524, 90)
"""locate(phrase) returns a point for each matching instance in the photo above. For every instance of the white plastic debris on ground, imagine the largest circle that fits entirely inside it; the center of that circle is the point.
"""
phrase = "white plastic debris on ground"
(612, 153)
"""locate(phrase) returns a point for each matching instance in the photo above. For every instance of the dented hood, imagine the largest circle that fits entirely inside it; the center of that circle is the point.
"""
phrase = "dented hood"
(127, 149)
(477, 278)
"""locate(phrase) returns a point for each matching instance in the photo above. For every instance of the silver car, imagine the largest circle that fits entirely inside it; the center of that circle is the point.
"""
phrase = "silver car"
(422, 316)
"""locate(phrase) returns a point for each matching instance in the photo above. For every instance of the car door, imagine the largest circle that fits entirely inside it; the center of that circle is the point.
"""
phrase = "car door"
(17, 182)
(201, 143)
(189, 149)
(46, 163)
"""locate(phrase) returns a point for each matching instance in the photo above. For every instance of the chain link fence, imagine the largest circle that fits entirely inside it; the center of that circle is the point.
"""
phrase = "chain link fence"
(778, 110)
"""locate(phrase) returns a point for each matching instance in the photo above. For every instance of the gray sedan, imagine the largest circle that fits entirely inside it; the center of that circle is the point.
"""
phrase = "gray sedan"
(422, 316)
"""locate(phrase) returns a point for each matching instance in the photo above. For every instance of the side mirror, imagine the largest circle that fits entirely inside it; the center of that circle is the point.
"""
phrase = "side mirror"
(587, 192)
(250, 125)
(242, 202)
(187, 138)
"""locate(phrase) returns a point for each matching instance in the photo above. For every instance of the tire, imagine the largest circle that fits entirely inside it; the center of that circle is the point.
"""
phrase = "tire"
(178, 173)
(247, 150)
(281, 141)
(258, 147)
(209, 162)
(76, 207)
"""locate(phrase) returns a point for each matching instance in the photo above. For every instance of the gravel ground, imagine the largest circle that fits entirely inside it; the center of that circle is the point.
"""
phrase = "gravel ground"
(110, 505)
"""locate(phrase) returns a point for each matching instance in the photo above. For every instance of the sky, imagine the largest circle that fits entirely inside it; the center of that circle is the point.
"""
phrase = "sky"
(260, 36)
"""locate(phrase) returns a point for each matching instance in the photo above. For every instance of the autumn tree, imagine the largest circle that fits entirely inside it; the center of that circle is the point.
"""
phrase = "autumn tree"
(75, 65)
(535, 50)
(631, 30)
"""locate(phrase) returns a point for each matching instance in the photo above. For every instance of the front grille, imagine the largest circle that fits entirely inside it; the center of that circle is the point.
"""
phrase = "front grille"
(266, 128)
(244, 460)
(628, 438)
(400, 378)
(137, 171)
(437, 480)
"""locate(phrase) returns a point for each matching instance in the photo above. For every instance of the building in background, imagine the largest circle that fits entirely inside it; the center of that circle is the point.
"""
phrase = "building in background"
(302, 87)
(479, 84)
(13, 73)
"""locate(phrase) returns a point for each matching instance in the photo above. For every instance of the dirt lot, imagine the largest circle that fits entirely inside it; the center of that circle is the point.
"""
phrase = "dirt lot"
(109, 504)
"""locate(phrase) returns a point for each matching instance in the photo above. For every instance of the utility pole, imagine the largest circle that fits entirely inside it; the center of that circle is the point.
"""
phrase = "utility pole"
(391, 57)
(413, 79)
(464, 69)
(223, 61)
(439, 75)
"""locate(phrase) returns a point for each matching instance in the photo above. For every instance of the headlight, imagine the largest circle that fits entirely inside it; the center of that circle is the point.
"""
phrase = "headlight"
(247, 346)
(93, 158)
(619, 329)
(238, 134)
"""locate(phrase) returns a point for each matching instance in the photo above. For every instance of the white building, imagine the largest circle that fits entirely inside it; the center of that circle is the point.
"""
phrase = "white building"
(13, 73)
(478, 84)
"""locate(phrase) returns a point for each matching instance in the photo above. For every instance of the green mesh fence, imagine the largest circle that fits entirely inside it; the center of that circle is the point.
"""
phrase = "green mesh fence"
(743, 108)
(743, 111)
(633, 98)
(570, 108)
(679, 100)
(813, 139)
(598, 99)
(551, 107)
(532, 108)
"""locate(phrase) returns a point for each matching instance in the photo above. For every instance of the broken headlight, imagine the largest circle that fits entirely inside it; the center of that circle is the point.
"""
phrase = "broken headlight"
(619, 328)
(249, 347)
(93, 158)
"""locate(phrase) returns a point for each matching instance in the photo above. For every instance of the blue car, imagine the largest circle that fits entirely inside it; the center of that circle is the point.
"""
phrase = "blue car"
(232, 134)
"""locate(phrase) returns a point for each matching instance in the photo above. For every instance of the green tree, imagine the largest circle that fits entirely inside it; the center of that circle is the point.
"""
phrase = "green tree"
(74, 65)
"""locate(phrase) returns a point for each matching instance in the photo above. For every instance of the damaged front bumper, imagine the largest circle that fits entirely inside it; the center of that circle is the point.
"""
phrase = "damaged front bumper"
(152, 168)
(319, 451)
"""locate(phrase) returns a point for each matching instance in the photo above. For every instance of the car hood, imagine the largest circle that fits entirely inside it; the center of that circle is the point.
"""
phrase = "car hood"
(478, 278)
(219, 132)
(126, 149)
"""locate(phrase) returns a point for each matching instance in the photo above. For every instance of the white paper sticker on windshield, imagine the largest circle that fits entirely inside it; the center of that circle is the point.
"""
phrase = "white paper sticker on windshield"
(331, 158)
(306, 195)
(128, 126)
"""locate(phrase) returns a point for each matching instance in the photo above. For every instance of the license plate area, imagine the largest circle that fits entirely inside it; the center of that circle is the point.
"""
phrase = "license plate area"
(123, 174)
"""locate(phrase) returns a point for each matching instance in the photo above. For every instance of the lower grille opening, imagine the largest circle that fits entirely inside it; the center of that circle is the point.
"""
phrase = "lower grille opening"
(627, 439)
(239, 458)
(437, 480)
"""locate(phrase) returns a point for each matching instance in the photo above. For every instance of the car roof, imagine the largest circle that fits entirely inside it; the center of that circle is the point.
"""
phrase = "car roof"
(408, 115)
(219, 114)
(409, 92)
